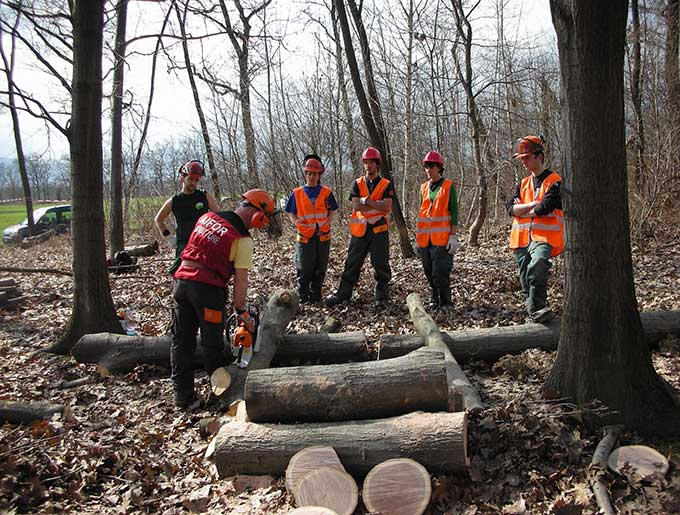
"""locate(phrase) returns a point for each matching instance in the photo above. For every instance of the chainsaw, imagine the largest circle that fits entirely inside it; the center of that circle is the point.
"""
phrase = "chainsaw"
(241, 339)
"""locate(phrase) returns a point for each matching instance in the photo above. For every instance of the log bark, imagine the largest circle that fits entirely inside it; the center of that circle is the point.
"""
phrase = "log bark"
(431, 334)
(8, 282)
(120, 354)
(147, 249)
(399, 487)
(14, 412)
(492, 343)
(330, 488)
(354, 391)
(438, 441)
(308, 460)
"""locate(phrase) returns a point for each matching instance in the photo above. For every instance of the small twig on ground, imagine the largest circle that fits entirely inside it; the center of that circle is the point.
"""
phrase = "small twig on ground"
(598, 466)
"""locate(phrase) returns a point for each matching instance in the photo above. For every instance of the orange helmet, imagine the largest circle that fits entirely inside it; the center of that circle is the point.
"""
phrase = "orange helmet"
(529, 145)
(194, 167)
(434, 157)
(313, 165)
(372, 153)
(264, 203)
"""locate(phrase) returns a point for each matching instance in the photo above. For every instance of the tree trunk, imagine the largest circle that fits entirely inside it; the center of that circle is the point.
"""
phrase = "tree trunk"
(636, 95)
(370, 110)
(323, 349)
(438, 441)
(399, 487)
(672, 61)
(93, 309)
(602, 355)
(458, 383)
(13, 412)
(21, 157)
(116, 235)
(355, 391)
(181, 20)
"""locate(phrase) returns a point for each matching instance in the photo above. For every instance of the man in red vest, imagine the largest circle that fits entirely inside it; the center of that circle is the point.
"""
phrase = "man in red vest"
(537, 232)
(371, 198)
(436, 230)
(219, 247)
(311, 209)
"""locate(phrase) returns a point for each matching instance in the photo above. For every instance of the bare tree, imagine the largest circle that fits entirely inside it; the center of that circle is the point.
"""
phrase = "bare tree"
(636, 94)
(8, 64)
(602, 355)
(93, 309)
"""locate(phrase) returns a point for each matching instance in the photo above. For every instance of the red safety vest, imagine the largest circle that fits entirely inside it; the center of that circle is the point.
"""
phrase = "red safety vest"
(309, 215)
(434, 218)
(209, 245)
(360, 219)
(548, 229)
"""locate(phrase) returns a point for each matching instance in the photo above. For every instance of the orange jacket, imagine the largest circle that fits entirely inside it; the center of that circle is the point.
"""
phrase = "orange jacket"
(310, 215)
(434, 218)
(549, 228)
(359, 219)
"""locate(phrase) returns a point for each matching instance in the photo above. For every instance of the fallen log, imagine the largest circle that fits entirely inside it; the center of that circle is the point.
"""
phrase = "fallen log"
(328, 487)
(147, 249)
(490, 344)
(120, 354)
(438, 441)
(598, 467)
(399, 487)
(22, 270)
(353, 391)
(8, 282)
(15, 412)
(456, 378)
(279, 311)
(308, 460)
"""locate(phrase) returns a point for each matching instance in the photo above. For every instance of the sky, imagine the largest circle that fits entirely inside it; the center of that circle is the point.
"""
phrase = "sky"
(173, 106)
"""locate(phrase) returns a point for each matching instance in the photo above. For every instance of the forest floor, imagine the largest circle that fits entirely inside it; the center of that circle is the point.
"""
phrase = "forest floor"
(126, 449)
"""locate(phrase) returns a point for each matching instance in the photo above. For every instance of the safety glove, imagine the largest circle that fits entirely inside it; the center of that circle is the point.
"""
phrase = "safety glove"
(452, 245)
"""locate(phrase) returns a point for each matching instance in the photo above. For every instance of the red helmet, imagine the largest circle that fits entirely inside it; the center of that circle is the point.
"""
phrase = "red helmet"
(193, 168)
(313, 165)
(434, 157)
(529, 145)
(371, 153)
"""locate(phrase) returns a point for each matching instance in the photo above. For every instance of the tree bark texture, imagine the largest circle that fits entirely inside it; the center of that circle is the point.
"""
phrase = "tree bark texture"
(601, 354)
(355, 391)
(489, 344)
(14, 412)
(430, 333)
(147, 249)
(93, 309)
(323, 348)
(438, 441)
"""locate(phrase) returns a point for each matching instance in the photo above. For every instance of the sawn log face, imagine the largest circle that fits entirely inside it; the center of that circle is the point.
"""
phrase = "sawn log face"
(353, 391)
(438, 441)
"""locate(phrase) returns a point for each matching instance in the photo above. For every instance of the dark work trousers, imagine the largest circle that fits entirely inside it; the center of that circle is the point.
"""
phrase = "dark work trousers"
(192, 299)
(534, 264)
(311, 262)
(378, 245)
(437, 264)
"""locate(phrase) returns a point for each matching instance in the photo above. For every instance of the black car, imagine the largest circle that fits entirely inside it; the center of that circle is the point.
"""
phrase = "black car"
(45, 218)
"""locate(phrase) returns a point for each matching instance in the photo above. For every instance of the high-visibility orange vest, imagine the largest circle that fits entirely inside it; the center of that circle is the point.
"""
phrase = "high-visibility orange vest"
(434, 218)
(359, 219)
(310, 215)
(549, 228)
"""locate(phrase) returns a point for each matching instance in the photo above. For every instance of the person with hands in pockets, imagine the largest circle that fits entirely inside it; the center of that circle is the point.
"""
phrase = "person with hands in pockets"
(436, 229)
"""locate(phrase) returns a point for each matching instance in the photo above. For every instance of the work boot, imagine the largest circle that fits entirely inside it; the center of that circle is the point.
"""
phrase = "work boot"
(445, 298)
(434, 299)
(187, 402)
(381, 303)
(336, 299)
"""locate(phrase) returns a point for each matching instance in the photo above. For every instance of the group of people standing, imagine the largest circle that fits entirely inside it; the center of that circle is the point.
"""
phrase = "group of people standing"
(212, 245)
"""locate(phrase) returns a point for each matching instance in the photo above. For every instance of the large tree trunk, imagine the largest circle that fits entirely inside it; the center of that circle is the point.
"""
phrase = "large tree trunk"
(354, 391)
(93, 309)
(458, 383)
(116, 235)
(438, 441)
(602, 355)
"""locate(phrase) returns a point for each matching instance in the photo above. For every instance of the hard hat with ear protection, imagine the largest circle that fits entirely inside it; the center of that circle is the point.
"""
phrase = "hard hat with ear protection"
(193, 167)
(264, 203)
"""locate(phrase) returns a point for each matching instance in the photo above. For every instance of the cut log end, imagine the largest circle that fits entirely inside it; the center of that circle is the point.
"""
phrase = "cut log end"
(312, 510)
(330, 488)
(308, 460)
(220, 380)
(644, 462)
(399, 487)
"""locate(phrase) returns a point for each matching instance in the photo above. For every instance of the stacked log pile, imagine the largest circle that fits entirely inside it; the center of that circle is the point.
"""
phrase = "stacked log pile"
(10, 295)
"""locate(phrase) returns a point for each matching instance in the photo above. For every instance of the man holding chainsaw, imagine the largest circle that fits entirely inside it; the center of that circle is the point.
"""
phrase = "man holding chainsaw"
(219, 248)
